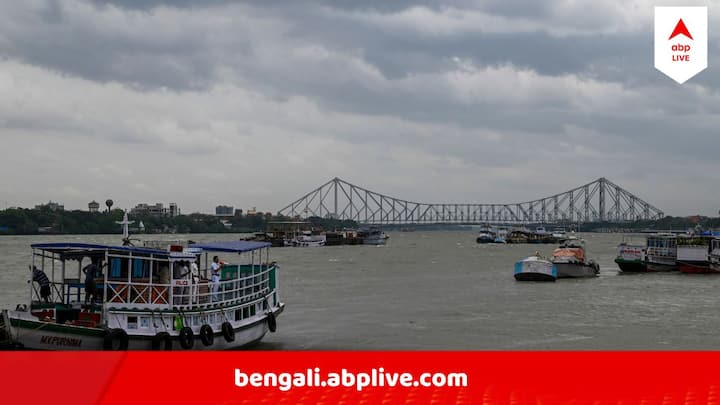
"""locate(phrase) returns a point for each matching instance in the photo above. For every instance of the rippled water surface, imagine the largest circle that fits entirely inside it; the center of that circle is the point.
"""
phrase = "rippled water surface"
(441, 290)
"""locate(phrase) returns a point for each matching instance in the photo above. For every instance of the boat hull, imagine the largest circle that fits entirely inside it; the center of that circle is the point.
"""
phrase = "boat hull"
(576, 270)
(631, 266)
(375, 241)
(534, 277)
(32, 334)
(695, 267)
(661, 267)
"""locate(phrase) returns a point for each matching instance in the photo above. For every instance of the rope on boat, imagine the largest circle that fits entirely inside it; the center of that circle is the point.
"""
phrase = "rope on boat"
(30, 332)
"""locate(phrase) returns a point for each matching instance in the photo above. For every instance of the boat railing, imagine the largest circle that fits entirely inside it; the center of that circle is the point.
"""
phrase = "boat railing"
(662, 251)
(56, 293)
(260, 282)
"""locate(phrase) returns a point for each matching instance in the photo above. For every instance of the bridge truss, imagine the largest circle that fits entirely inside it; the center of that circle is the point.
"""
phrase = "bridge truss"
(598, 201)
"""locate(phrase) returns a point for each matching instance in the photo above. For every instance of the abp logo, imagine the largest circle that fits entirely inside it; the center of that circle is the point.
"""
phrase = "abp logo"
(681, 35)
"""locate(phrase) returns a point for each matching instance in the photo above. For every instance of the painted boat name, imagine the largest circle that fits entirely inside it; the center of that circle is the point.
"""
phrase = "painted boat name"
(60, 341)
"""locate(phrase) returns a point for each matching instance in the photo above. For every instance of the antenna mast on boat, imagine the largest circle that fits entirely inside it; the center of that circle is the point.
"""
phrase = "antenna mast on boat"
(126, 229)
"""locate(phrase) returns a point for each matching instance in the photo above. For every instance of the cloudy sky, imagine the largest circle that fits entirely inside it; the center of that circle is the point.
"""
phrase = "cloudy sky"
(256, 103)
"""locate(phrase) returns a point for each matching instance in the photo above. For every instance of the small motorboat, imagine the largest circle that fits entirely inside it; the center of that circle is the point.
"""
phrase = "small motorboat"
(571, 262)
(535, 268)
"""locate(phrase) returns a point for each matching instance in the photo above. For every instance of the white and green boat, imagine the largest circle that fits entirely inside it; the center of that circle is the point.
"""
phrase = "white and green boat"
(147, 299)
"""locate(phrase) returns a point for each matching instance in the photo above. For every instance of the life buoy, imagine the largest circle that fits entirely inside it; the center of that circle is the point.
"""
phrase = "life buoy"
(206, 335)
(186, 338)
(272, 322)
(162, 341)
(228, 332)
(115, 339)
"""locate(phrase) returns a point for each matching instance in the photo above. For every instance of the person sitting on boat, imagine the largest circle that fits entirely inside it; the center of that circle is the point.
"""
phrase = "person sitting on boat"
(215, 267)
(91, 271)
(41, 278)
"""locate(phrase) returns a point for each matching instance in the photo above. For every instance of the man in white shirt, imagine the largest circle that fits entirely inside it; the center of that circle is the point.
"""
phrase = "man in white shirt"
(195, 274)
(215, 267)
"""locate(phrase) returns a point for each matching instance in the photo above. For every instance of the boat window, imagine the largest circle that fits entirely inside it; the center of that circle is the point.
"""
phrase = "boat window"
(118, 267)
(140, 268)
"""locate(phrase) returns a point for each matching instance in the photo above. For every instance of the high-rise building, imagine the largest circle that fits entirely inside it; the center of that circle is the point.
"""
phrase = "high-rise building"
(224, 211)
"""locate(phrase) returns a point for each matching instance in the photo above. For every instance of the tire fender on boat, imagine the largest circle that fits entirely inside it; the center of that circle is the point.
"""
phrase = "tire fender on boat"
(271, 322)
(206, 335)
(162, 341)
(228, 332)
(115, 335)
(186, 338)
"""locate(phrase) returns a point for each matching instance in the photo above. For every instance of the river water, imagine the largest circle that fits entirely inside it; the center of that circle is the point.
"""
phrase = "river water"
(442, 291)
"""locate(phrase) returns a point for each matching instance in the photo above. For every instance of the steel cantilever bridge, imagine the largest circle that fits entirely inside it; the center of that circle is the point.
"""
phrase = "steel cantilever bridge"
(598, 201)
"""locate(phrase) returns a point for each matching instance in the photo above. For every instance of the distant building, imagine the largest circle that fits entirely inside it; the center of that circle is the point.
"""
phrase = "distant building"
(157, 210)
(52, 206)
(93, 206)
(253, 211)
(224, 211)
(238, 212)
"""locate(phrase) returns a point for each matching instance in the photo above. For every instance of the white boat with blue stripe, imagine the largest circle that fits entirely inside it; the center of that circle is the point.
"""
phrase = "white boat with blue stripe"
(535, 268)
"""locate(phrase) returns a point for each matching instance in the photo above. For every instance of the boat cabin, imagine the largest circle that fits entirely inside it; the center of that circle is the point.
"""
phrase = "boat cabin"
(146, 279)
(662, 245)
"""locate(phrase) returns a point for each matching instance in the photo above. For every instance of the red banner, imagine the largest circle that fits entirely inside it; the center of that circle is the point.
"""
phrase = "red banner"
(241, 377)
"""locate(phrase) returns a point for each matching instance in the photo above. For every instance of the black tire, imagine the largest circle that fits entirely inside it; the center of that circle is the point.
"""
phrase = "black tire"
(206, 335)
(186, 338)
(162, 341)
(272, 322)
(228, 332)
(116, 340)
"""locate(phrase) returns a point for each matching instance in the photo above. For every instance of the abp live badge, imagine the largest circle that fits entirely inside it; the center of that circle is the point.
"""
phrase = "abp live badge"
(681, 35)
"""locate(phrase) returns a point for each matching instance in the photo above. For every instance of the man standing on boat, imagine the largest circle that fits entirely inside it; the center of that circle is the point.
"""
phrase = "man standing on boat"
(91, 271)
(215, 267)
(195, 273)
(41, 278)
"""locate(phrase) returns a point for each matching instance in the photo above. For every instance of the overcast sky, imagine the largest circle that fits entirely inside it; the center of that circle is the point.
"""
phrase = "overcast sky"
(254, 104)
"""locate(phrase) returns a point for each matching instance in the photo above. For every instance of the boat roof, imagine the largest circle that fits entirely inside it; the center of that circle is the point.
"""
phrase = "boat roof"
(59, 247)
(234, 246)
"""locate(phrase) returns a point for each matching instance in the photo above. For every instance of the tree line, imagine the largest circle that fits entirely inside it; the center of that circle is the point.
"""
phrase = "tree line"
(25, 221)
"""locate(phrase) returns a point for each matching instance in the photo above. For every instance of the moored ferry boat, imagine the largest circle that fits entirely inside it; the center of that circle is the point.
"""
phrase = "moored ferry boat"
(693, 255)
(571, 262)
(306, 239)
(373, 236)
(631, 257)
(535, 268)
(661, 252)
(485, 235)
(714, 256)
(146, 299)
